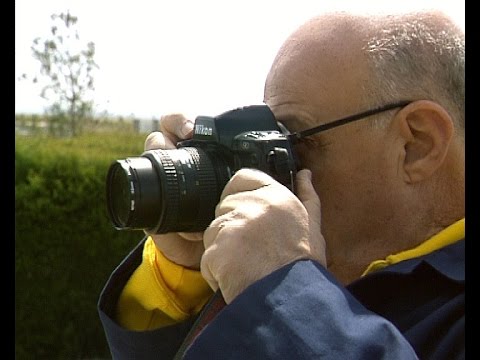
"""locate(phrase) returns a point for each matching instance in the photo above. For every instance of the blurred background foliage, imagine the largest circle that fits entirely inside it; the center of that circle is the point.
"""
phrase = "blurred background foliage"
(65, 246)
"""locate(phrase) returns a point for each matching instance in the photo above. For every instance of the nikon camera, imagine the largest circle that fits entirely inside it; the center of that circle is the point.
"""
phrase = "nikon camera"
(177, 190)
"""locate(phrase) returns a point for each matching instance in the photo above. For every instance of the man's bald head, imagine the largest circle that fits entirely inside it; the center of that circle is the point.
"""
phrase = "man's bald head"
(322, 59)
(362, 61)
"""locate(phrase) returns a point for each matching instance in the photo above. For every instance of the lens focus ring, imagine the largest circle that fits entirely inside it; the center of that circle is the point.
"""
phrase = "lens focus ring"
(190, 190)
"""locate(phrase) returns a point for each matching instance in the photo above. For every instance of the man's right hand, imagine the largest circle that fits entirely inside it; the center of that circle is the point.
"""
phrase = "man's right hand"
(182, 248)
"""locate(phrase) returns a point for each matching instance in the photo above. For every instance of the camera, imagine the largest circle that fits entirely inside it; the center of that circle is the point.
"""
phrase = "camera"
(177, 190)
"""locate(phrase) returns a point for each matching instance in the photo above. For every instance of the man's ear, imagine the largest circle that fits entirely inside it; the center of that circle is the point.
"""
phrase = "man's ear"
(426, 129)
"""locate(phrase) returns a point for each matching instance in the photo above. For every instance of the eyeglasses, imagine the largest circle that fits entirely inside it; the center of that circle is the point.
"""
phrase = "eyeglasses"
(297, 136)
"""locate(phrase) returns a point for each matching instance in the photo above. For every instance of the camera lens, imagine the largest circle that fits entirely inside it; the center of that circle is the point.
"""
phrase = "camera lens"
(132, 193)
(166, 190)
(121, 201)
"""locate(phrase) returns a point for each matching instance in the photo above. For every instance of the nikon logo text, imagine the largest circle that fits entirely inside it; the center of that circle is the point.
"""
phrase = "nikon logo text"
(203, 130)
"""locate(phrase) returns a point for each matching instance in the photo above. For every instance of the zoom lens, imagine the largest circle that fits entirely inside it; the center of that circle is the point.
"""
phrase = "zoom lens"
(166, 190)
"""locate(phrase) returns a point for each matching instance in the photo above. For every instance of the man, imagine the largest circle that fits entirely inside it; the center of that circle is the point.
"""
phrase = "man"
(367, 260)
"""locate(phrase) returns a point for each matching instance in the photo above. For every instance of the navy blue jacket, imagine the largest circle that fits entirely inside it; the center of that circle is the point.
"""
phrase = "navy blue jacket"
(415, 308)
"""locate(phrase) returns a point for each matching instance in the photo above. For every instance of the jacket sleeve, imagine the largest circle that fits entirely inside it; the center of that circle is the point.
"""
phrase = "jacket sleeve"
(299, 312)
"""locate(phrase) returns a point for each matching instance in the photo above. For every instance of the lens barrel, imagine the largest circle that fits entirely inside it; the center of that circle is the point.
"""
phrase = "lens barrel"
(166, 190)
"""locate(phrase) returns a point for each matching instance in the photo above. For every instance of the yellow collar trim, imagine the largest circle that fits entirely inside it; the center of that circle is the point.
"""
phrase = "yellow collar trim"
(447, 236)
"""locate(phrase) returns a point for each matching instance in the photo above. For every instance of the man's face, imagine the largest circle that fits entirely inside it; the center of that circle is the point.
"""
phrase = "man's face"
(351, 165)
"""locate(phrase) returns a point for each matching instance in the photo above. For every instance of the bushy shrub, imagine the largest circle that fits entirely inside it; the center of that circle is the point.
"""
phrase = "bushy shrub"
(65, 246)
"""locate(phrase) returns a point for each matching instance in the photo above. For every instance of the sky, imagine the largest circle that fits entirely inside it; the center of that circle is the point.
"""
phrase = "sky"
(190, 56)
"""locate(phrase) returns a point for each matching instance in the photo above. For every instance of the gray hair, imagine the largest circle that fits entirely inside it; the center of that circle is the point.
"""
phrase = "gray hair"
(418, 56)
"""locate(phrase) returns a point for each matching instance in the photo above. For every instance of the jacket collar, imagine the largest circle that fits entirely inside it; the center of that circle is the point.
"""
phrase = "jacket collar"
(449, 261)
(444, 238)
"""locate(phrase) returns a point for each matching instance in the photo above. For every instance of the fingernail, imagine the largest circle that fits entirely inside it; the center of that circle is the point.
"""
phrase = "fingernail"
(309, 175)
(154, 140)
(187, 127)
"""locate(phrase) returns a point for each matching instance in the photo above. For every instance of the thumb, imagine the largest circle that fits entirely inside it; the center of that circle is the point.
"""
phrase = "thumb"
(310, 200)
(306, 193)
(157, 140)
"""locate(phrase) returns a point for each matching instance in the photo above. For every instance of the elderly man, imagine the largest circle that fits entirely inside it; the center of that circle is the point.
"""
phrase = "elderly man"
(366, 260)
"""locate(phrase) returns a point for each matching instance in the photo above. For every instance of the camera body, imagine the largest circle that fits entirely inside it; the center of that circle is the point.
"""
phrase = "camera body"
(177, 190)
(261, 144)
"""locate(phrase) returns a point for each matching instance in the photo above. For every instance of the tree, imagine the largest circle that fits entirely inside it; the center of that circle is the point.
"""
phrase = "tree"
(68, 69)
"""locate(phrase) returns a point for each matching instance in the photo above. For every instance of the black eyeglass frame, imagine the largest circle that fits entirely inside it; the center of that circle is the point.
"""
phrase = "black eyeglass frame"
(297, 136)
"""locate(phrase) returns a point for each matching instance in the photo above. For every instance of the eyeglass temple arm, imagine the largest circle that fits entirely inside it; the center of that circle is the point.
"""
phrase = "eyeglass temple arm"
(296, 136)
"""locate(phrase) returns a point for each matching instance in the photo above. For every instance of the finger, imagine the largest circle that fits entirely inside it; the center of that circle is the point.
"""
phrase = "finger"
(307, 194)
(157, 140)
(188, 236)
(206, 273)
(191, 236)
(310, 200)
(177, 125)
(246, 180)
(179, 250)
(211, 232)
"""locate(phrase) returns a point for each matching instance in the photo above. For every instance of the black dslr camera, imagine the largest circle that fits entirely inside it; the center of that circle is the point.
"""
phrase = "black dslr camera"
(177, 190)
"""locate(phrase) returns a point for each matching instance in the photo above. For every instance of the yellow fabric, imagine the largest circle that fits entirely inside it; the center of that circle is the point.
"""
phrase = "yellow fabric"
(160, 293)
(447, 236)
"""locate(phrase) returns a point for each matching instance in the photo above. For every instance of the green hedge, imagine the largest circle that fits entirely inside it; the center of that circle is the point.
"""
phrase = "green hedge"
(65, 246)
